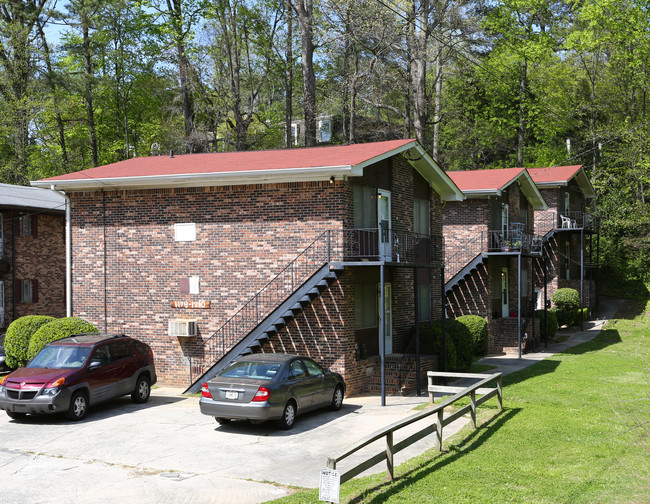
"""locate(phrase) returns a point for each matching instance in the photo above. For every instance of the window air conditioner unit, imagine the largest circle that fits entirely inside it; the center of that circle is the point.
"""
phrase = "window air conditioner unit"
(182, 328)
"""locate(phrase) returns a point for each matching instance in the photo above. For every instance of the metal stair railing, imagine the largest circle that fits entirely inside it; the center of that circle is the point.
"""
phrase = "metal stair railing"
(312, 258)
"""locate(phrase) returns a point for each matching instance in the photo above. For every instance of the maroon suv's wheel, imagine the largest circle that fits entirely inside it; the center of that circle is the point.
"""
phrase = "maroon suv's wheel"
(78, 408)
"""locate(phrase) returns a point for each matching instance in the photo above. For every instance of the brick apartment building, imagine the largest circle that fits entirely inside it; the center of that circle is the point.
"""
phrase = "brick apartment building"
(489, 253)
(570, 233)
(32, 253)
(320, 251)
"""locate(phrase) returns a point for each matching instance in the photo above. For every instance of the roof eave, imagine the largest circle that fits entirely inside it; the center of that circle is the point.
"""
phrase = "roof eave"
(201, 179)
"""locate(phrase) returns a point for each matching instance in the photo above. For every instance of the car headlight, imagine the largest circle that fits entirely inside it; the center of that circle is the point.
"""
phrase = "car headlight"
(53, 388)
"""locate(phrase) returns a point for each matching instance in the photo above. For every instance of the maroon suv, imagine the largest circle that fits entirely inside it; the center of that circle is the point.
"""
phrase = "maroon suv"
(72, 374)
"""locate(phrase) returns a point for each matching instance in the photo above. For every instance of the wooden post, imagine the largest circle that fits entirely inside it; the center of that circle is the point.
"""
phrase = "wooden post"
(439, 430)
(473, 407)
(389, 454)
(500, 393)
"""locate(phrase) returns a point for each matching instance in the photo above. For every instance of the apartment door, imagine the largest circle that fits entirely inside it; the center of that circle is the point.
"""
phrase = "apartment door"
(505, 304)
(383, 219)
(388, 316)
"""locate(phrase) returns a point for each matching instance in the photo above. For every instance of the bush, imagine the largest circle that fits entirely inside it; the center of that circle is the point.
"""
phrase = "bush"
(567, 304)
(56, 330)
(478, 328)
(19, 334)
(460, 344)
(552, 324)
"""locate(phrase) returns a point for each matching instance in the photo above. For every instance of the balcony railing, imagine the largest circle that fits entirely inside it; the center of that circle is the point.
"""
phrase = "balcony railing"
(351, 245)
(547, 221)
(514, 239)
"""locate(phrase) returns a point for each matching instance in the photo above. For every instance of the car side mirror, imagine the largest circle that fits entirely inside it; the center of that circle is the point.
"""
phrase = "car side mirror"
(94, 365)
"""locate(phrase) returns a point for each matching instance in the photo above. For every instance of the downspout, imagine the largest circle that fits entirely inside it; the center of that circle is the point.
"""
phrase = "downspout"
(68, 253)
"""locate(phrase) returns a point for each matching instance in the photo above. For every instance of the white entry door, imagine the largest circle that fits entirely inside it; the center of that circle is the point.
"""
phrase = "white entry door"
(388, 316)
(383, 220)
(505, 305)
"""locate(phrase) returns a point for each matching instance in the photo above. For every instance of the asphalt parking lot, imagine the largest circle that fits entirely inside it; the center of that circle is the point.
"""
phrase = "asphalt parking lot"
(167, 451)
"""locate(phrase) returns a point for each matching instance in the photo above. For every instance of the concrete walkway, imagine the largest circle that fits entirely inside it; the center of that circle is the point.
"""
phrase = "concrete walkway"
(507, 364)
(166, 451)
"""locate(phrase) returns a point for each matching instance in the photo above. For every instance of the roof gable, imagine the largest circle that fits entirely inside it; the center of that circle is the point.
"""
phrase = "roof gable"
(253, 167)
(556, 176)
(485, 183)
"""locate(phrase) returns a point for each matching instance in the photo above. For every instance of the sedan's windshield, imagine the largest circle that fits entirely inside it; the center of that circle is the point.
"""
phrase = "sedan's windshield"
(60, 357)
(253, 370)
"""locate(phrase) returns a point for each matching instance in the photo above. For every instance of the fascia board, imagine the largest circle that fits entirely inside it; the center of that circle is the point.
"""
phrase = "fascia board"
(436, 176)
(201, 179)
(531, 191)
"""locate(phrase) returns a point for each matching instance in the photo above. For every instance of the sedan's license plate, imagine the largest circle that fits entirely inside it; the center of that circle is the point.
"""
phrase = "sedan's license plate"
(231, 394)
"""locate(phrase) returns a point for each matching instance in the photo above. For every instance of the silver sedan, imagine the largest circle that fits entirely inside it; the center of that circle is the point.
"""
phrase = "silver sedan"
(276, 387)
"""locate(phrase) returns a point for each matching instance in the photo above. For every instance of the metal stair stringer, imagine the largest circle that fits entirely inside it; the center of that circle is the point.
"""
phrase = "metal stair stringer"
(278, 318)
(463, 273)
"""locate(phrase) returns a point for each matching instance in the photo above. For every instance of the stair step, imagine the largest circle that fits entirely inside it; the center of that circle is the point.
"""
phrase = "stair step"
(297, 308)
(288, 315)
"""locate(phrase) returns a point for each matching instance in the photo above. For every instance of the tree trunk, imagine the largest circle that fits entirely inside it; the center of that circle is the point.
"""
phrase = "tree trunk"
(522, 116)
(88, 89)
(288, 78)
(304, 10)
(437, 107)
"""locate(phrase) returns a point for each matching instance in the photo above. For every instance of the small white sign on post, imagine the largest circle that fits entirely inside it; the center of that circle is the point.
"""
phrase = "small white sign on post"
(330, 485)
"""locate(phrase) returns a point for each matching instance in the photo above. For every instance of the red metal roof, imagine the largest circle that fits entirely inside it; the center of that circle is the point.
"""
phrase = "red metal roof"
(233, 162)
(484, 180)
(553, 173)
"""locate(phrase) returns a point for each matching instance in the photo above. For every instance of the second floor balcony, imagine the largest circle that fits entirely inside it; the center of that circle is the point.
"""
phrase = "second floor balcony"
(575, 220)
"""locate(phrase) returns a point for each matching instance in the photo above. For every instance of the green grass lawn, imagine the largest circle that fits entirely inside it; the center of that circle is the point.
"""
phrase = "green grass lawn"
(575, 428)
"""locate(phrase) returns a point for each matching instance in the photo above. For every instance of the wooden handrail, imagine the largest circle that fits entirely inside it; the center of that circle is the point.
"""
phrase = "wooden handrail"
(441, 421)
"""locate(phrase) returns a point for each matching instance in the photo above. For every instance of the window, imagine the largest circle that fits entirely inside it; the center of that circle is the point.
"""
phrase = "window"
(25, 225)
(313, 368)
(424, 302)
(297, 370)
(421, 216)
(26, 291)
(295, 132)
(365, 207)
(325, 130)
(185, 232)
(118, 350)
(365, 305)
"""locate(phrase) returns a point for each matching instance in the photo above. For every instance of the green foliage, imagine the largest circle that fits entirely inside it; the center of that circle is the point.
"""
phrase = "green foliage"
(60, 328)
(552, 324)
(19, 334)
(567, 304)
(477, 327)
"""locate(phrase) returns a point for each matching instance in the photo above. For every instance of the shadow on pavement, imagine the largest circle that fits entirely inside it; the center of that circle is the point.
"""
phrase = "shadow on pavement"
(304, 423)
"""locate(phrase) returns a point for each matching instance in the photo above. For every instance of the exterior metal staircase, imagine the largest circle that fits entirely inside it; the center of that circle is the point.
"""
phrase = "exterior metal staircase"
(277, 303)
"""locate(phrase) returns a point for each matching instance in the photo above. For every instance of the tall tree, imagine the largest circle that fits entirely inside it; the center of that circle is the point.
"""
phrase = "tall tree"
(18, 23)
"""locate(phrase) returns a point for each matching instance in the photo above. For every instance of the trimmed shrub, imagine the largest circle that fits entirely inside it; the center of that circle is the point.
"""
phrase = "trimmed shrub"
(19, 334)
(56, 330)
(567, 304)
(552, 324)
(478, 328)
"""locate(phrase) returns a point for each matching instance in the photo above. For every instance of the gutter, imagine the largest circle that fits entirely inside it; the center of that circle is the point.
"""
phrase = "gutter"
(68, 253)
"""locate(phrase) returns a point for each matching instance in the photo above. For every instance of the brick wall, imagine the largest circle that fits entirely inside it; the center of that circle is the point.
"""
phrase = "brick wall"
(128, 267)
(38, 257)
(245, 235)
